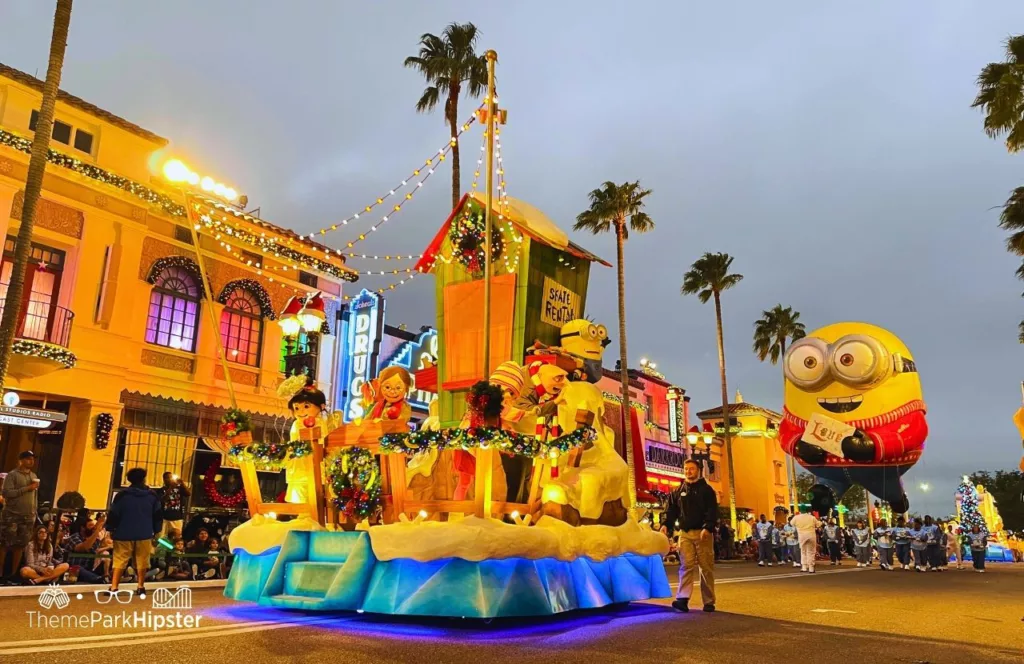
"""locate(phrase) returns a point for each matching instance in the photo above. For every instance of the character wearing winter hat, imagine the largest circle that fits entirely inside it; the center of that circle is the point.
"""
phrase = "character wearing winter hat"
(312, 423)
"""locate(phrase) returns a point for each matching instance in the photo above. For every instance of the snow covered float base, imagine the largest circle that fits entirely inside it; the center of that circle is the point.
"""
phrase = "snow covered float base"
(338, 571)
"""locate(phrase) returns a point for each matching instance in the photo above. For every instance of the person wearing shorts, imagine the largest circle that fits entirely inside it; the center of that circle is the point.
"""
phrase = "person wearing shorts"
(135, 517)
(19, 516)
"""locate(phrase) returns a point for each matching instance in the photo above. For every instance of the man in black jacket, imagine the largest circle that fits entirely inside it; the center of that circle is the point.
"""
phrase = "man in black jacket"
(692, 512)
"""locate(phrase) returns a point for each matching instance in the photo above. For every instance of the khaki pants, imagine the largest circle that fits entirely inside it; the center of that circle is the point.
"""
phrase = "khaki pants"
(696, 556)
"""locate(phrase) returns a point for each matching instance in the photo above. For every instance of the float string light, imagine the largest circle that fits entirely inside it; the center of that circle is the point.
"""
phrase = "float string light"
(441, 155)
(504, 207)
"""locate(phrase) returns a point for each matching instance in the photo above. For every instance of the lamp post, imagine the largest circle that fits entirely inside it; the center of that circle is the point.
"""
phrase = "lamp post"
(702, 457)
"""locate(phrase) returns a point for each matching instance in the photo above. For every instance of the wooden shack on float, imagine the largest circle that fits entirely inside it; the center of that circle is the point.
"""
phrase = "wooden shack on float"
(539, 282)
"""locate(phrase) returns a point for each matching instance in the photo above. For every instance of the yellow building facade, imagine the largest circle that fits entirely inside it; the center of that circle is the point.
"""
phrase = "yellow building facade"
(115, 322)
(759, 463)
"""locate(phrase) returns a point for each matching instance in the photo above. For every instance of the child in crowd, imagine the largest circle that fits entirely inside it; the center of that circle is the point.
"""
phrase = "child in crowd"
(215, 562)
(862, 544)
(103, 554)
(177, 564)
(979, 547)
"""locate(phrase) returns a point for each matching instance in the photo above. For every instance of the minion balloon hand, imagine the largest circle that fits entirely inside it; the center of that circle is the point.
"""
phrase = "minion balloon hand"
(853, 412)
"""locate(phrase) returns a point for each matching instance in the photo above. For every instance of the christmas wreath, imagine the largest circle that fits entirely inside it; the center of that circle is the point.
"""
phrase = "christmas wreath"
(467, 237)
(213, 493)
(104, 425)
(354, 477)
(236, 424)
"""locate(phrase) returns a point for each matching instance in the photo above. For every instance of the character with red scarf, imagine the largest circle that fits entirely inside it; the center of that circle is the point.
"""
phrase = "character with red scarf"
(853, 412)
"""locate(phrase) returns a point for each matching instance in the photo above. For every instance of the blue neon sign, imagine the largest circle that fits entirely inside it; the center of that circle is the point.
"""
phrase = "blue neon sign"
(416, 355)
(364, 323)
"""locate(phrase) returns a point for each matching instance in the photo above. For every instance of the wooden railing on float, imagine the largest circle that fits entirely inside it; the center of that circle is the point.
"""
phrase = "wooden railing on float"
(394, 488)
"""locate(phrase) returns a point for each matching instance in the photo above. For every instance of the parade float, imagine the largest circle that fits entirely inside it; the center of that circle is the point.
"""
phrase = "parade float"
(854, 412)
(509, 500)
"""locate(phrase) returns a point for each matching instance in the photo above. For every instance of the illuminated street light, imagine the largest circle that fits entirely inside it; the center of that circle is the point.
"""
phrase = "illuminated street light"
(175, 170)
(923, 486)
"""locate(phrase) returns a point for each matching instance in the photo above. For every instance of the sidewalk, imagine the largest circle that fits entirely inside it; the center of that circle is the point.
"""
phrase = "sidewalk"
(84, 588)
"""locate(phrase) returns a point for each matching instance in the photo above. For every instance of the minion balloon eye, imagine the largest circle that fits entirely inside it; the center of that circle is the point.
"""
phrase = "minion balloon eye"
(806, 364)
(602, 332)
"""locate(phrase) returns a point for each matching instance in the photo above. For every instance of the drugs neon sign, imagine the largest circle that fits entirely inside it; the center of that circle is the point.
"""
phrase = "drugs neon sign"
(364, 322)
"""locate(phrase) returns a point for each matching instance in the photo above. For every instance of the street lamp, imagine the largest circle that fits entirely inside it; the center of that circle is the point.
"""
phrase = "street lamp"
(289, 320)
(923, 486)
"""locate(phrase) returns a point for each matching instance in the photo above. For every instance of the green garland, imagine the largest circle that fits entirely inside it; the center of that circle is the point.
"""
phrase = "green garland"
(508, 442)
(271, 454)
(466, 234)
(354, 476)
(168, 204)
(44, 350)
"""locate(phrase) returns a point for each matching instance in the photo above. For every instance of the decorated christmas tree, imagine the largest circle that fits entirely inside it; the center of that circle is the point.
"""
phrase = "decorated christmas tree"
(967, 501)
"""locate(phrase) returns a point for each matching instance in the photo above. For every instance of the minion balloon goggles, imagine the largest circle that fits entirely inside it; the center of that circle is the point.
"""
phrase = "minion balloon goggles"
(858, 361)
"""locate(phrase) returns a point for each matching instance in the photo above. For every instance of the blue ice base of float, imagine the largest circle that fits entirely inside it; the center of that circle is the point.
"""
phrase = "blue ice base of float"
(337, 571)
(249, 573)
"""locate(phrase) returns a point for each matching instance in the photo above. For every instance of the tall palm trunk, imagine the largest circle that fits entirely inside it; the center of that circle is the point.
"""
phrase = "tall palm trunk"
(453, 124)
(33, 185)
(790, 464)
(725, 413)
(627, 413)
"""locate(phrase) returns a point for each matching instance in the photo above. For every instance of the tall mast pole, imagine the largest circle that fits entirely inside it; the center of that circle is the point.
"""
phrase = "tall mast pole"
(492, 107)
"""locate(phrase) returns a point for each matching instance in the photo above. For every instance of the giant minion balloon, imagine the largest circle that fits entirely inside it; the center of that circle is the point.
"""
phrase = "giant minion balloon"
(853, 412)
(586, 341)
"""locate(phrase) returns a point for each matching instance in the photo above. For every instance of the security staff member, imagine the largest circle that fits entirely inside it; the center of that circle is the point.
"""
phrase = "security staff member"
(693, 510)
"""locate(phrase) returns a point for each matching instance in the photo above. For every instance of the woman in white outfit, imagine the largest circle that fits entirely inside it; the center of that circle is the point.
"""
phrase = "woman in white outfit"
(806, 525)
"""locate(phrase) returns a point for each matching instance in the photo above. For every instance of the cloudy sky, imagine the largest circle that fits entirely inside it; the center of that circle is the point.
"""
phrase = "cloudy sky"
(831, 150)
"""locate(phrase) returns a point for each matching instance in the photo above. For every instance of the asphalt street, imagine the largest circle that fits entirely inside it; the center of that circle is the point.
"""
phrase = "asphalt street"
(765, 615)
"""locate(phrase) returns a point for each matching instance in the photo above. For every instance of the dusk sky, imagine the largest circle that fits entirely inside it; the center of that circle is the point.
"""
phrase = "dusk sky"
(831, 150)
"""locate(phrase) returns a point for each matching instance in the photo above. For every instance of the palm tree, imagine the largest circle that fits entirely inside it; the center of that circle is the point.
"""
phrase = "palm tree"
(1012, 219)
(34, 185)
(707, 278)
(1001, 95)
(771, 331)
(619, 207)
(448, 63)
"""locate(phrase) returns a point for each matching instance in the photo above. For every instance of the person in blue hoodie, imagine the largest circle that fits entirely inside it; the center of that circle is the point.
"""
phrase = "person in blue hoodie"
(832, 535)
(883, 542)
(862, 544)
(134, 518)
(901, 539)
(792, 538)
(979, 547)
(919, 545)
(932, 537)
(778, 544)
(763, 537)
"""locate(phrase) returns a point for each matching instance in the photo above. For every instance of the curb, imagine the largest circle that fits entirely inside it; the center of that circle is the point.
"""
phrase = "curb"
(32, 591)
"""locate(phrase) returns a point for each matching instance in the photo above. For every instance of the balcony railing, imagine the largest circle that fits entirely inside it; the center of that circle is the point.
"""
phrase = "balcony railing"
(48, 324)
(301, 364)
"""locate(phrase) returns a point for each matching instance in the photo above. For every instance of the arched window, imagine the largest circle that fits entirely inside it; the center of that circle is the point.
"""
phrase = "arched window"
(173, 307)
(241, 326)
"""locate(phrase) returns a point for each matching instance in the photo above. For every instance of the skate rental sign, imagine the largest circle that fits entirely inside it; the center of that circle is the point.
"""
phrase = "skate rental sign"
(364, 322)
(560, 304)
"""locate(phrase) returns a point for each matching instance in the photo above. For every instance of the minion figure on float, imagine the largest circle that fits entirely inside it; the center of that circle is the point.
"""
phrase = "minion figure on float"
(854, 412)
(586, 341)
